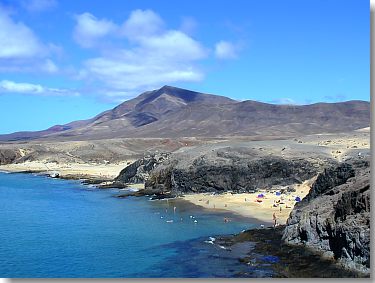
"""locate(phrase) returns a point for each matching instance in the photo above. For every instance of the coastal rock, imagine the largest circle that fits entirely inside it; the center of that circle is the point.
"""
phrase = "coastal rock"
(229, 169)
(138, 171)
(8, 156)
(330, 178)
(334, 218)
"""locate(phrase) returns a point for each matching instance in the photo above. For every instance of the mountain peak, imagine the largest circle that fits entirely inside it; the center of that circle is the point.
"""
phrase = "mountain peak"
(168, 88)
(187, 95)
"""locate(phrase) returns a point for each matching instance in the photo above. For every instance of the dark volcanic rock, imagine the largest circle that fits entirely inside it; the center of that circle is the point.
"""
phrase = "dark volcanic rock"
(331, 177)
(237, 170)
(8, 156)
(286, 261)
(139, 171)
(335, 217)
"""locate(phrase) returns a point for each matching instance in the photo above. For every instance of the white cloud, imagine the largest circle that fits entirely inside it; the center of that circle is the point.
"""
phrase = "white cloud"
(141, 24)
(134, 69)
(7, 86)
(21, 50)
(174, 45)
(157, 56)
(141, 53)
(49, 66)
(225, 50)
(17, 40)
(39, 5)
(89, 29)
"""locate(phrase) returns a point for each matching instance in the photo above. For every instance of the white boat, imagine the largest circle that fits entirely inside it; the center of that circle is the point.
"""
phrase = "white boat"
(54, 174)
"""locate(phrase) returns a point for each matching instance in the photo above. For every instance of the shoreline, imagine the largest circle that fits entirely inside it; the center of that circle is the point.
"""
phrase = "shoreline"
(229, 214)
(245, 205)
(250, 206)
(74, 171)
(293, 261)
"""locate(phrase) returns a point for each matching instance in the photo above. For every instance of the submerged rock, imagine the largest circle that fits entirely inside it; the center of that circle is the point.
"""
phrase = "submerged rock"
(286, 261)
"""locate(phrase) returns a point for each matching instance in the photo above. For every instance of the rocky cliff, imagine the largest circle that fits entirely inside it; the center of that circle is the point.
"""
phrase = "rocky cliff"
(228, 169)
(138, 172)
(334, 218)
(8, 156)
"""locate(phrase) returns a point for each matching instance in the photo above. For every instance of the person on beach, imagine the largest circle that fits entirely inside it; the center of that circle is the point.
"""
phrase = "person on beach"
(274, 219)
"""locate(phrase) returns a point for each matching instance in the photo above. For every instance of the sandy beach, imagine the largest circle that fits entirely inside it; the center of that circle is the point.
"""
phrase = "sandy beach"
(69, 170)
(250, 205)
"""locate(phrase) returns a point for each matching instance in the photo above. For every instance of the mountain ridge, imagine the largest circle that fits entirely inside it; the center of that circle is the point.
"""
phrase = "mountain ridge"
(176, 112)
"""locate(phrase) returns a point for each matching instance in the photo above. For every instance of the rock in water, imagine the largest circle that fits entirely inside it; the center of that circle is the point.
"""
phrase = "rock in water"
(334, 218)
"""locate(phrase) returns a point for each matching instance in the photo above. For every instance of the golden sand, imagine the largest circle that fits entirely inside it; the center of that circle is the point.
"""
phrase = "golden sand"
(105, 171)
(247, 204)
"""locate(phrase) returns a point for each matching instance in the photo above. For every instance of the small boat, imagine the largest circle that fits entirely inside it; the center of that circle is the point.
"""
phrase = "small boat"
(54, 174)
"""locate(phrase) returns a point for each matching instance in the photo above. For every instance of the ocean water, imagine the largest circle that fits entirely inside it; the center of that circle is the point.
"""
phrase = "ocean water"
(61, 228)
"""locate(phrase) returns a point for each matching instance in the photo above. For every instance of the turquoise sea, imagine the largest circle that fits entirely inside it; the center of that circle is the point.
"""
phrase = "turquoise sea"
(60, 228)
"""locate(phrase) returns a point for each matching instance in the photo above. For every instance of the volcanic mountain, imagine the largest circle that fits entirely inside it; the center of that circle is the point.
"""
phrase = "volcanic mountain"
(175, 112)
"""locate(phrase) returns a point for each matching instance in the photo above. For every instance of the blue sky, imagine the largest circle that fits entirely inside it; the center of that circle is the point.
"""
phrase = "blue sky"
(66, 60)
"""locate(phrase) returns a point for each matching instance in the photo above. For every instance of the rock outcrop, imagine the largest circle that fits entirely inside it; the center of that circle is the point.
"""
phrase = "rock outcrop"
(8, 156)
(334, 218)
(228, 169)
(138, 172)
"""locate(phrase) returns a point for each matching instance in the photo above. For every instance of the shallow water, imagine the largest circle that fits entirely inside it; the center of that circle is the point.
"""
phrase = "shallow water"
(60, 228)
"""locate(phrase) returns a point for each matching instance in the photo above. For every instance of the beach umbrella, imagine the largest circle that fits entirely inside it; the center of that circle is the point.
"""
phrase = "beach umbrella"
(297, 199)
(260, 196)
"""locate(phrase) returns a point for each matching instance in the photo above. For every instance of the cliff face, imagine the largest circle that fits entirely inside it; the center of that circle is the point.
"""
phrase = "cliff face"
(334, 218)
(238, 170)
(8, 156)
(138, 172)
